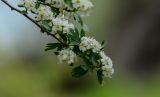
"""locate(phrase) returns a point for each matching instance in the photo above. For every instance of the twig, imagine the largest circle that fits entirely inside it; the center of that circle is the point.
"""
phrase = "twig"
(32, 20)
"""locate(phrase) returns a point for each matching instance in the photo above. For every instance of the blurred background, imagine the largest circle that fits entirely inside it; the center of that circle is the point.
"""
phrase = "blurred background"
(131, 29)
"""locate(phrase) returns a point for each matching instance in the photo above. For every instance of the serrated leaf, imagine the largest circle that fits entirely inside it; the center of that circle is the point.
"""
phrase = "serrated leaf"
(78, 72)
(52, 46)
(74, 36)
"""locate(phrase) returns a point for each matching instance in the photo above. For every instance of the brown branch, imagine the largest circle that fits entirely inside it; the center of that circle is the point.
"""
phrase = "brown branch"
(33, 21)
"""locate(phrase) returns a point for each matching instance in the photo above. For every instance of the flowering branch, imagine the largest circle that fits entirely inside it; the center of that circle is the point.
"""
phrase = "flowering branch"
(32, 20)
(63, 20)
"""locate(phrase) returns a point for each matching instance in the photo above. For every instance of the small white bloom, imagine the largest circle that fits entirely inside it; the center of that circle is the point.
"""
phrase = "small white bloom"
(107, 65)
(44, 13)
(88, 43)
(61, 24)
(29, 4)
(108, 72)
(83, 6)
(67, 55)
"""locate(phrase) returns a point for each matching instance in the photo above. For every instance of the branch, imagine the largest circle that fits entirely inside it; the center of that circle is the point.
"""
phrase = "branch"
(32, 20)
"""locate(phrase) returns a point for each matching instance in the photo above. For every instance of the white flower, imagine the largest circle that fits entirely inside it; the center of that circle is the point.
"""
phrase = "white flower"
(83, 6)
(44, 13)
(61, 24)
(67, 55)
(108, 72)
(88, 43)
(29, 4)
(107, 65)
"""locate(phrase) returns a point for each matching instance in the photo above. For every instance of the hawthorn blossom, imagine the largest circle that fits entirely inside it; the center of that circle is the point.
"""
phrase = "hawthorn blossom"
(67, 55)
(44, 13)
(61, 24)
(28, 4)
(83, 6)
(107, 65)
(88, 43)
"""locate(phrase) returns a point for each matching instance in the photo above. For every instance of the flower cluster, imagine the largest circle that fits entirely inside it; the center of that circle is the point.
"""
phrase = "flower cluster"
(88, 43)
(63, 19)
(83, 5)
(61, 24)
(28, 4)
(107, 66)
(44, 13)
(67, 55)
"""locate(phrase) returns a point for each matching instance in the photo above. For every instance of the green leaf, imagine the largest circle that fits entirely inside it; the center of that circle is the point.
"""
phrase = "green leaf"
(52, 46)
(82, 33)
(60, 48)
(62, 35)
(69, 2)
(79, 72)
(88, 61)
(56, 11)
(80, 20)
(100, 76)
(37, 5)
(96, 56)
(76, 49)
(74, 36)
(46, 25)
